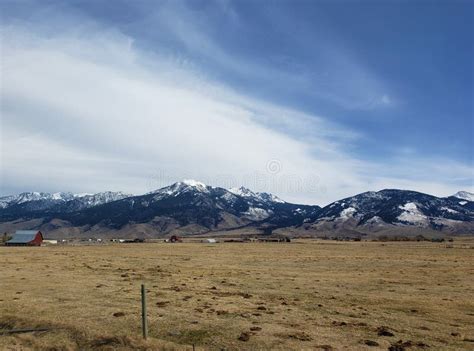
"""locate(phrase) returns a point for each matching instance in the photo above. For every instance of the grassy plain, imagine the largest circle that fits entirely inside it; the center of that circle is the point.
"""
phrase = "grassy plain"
(307, 295)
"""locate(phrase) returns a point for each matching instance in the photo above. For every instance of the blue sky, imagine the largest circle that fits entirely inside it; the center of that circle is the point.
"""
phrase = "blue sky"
(346, 96)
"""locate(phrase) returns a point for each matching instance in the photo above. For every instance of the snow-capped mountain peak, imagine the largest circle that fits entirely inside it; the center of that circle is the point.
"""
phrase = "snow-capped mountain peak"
(465, 195)
(34, 196)
(187, 185)
(270, 197)
(194, 183)
(191, 184)
(247, 193)
(42, 200)
(101, 198)
(242, 191)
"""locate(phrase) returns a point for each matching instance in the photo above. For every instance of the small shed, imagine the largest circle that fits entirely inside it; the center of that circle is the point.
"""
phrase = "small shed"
(209, 241)
(50, 241)
(26, 238)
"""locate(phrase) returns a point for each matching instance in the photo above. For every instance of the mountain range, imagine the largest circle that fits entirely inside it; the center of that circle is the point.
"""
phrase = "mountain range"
(191, 207)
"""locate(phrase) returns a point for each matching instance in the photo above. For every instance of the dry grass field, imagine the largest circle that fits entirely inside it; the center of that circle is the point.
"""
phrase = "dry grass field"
(308, 295)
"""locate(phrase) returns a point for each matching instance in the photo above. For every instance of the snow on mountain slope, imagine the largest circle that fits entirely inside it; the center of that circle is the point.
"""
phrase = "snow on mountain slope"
(242, 191)
(464, 195)
(10, 200)
(42, 201)
(411, 214)
(103, 198)
(195, 184)
(399, 208)
(348, 213)
(247, 193)
(257, 213)
(254, 206)
(6, 200)
(90, 200)
(270, 198)
(178, 188)
(258, 206)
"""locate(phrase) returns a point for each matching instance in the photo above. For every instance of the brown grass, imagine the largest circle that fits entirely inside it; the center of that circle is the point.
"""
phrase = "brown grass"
(303, 295)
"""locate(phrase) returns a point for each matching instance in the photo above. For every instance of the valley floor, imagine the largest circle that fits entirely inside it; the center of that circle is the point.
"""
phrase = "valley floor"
(304, 295)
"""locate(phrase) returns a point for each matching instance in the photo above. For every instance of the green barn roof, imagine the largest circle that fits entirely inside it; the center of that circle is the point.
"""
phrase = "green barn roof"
(23, 236)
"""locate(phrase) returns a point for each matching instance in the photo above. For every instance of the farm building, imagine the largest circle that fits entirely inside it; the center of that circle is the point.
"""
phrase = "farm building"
(50, 241)
(174, 239)
(26, 238)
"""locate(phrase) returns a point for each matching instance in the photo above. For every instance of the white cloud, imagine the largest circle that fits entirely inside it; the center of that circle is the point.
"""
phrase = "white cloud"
(85, 121)
(87, 111)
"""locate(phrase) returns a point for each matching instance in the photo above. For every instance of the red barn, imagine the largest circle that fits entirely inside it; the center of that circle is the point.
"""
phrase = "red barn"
(26, 238)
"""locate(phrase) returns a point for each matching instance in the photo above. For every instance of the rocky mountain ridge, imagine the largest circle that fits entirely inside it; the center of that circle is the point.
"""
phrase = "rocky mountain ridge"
(192, 207)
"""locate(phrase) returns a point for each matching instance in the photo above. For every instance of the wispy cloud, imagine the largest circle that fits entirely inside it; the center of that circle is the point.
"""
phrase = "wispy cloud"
(334, 75)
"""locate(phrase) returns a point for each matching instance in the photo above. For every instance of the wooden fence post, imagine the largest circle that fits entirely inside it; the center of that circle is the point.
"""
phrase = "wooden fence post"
(144, 319)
